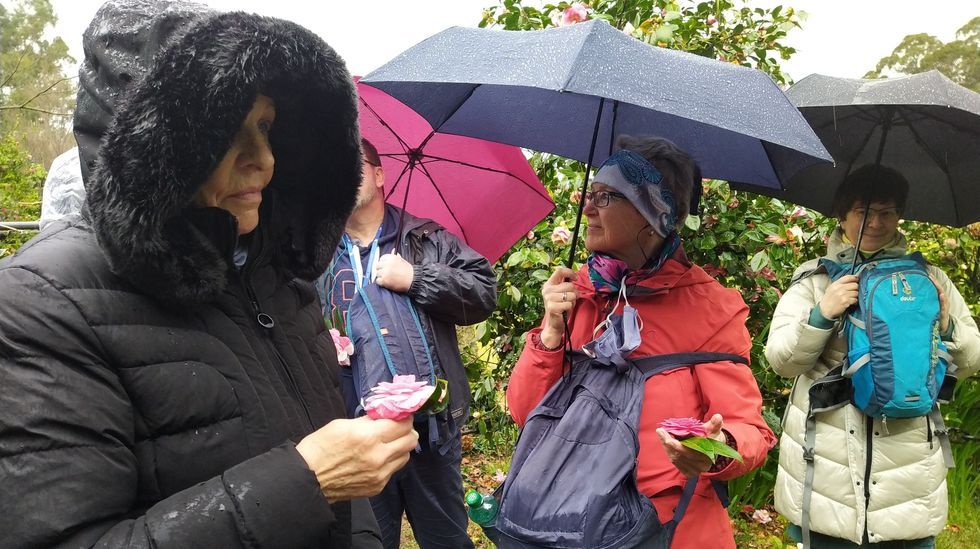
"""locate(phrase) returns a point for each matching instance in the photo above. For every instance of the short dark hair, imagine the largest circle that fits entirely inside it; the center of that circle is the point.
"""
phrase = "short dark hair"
(370, 152)
(885, 185)
(680, 172)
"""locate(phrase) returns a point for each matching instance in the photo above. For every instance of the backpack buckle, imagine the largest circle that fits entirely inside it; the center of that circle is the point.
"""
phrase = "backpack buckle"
(808, 454)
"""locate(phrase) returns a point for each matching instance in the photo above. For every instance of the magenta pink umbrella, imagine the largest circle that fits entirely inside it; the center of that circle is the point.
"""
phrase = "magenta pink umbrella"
(484, 192)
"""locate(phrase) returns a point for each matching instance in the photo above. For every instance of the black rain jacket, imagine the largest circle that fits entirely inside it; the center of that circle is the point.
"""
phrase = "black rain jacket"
(150, 392)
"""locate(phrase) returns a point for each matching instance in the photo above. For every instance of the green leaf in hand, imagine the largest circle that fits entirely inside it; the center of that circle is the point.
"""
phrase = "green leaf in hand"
(711, 448)
(439, 398)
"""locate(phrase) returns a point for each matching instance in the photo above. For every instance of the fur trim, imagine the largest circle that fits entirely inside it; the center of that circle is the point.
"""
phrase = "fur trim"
(176, 124)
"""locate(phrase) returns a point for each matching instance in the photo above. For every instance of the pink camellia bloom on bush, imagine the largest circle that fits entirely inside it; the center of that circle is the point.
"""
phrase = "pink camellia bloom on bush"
(344, 346)
(397, 399)
(684, 427)
(576, 13)
(761, 516)
(561, 235)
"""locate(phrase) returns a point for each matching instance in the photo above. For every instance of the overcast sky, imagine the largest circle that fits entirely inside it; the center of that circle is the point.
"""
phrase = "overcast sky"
(839, 38)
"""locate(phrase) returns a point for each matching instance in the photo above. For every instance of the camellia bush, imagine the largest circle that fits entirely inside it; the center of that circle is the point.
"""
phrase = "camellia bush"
(21, 181)
(746, 241)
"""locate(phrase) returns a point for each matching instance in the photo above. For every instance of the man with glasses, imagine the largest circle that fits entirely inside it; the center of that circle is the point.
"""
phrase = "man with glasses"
(392, 265)
(874, 485)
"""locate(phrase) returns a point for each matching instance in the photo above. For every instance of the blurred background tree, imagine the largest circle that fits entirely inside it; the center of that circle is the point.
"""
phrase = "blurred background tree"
(36, 98)
(959, 59)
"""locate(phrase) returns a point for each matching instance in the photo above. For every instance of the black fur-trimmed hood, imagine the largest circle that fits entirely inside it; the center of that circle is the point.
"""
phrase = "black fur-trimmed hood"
(175, 125)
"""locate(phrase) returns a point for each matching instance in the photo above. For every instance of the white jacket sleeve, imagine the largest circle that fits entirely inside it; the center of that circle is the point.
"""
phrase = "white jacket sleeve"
(965, 344)
(794, 346)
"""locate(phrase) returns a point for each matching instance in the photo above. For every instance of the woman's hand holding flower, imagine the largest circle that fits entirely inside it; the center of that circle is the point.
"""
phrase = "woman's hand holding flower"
(692, 446)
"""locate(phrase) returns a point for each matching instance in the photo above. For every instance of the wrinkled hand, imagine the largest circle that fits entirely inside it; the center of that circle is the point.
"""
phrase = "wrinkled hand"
(394, 273)
(689, 462)
(943, 306)
(559, 298)
(354, 458)
(840, 295)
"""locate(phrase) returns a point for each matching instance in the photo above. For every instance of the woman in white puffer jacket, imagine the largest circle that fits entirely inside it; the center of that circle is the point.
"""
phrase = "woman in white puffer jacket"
(871, 485)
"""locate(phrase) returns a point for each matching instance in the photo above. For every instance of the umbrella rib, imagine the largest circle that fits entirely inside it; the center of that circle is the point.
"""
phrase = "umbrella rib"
(382, 121)
(851, 160)
(484, 168)
(918, 139)
(425, 171)
(943, 165)
(406, 168)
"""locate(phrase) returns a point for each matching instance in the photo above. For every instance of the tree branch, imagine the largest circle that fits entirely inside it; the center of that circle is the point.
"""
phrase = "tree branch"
(33, 109)
(24, 105)
(13, 72)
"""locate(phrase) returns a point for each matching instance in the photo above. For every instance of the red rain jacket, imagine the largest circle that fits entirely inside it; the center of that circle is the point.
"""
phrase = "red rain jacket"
(685, 310)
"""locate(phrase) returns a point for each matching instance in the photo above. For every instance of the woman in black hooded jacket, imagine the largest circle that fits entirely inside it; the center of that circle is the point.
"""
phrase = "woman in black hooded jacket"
(165, 376)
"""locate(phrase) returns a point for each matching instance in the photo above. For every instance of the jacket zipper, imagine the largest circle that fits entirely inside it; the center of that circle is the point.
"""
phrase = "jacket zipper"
(267, 324)
(869, 435)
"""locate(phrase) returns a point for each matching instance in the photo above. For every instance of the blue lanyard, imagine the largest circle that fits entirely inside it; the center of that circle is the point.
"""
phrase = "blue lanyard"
(354, 253)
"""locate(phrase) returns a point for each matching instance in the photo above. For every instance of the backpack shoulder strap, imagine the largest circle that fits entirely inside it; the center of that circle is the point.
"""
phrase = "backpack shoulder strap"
(655, 364)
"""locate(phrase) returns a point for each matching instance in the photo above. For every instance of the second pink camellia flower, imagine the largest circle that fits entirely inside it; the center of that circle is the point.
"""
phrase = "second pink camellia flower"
(344, 346)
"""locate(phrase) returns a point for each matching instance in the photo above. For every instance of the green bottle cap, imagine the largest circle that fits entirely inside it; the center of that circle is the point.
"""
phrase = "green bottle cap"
(473, 498)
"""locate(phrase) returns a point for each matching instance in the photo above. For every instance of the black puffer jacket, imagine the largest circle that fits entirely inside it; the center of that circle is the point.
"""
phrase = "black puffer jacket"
(151, 393)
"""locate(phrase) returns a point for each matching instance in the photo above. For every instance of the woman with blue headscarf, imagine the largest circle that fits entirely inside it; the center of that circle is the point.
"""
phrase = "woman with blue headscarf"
(636, 204)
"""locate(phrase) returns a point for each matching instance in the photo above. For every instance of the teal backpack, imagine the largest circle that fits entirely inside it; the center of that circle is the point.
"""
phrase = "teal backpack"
(897, 366)
(896, 360)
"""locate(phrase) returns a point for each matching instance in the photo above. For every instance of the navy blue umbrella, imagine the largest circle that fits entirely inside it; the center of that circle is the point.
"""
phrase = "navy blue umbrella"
(571, 90)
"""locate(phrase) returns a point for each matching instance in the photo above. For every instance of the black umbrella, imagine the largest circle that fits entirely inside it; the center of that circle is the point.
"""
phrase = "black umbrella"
(571, 90)
(924, 126)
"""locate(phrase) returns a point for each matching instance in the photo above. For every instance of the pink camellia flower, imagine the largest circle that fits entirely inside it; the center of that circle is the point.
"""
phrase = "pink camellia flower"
(345, 348)
(530, 235)
(575, 197)
(499, 476)
(576, 13)
(684, 427)
(775, 239)
(761, 516)
(397, 399)
(561, 235)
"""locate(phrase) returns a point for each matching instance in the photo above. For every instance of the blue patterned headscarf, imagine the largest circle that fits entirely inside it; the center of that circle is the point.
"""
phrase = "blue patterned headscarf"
(637, 179)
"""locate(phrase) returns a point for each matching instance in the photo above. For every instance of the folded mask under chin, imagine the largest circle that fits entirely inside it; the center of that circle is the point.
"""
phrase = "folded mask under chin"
(620, 338)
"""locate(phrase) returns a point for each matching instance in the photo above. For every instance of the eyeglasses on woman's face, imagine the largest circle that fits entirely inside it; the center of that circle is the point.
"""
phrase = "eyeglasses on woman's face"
(884, 215)
(601, 198)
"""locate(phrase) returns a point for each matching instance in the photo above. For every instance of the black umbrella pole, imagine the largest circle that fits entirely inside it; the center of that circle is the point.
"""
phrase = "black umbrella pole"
(886, 124)
(585, 186)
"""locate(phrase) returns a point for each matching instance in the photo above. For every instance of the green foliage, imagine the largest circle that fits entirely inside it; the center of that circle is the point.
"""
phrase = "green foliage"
(35, 96)
(31, 79)
(20, 192)
(719, 29)
(959, 59)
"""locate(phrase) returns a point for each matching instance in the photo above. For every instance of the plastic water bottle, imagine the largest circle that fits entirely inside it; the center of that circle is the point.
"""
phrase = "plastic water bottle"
(481, 508)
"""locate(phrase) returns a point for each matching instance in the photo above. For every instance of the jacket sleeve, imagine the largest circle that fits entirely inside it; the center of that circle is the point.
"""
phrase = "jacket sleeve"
(965, 343)
(68, 470)
(459, 287)
(536, 371)
(731, 390)
(794, 346)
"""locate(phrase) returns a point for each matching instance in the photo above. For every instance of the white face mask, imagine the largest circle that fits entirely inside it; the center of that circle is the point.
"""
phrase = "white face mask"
(620, 338)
